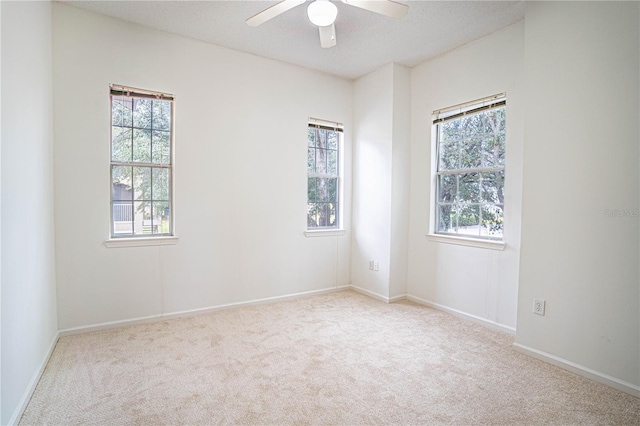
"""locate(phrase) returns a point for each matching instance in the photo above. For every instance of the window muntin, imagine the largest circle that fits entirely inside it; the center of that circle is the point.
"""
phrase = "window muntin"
(141, 163)
(323, 176)
(470, 162)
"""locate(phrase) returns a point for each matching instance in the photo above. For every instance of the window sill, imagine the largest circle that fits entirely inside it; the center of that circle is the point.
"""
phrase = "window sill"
(469, 242)
(141, 242)
(325, 233)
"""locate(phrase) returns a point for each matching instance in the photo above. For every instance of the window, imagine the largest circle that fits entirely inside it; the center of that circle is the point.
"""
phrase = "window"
(470, 160)
(141, 163)
(324, 142)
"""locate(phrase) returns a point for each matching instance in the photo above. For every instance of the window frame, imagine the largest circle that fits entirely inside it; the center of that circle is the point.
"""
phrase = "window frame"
(133, 239)
(337, 228)
(447, 114)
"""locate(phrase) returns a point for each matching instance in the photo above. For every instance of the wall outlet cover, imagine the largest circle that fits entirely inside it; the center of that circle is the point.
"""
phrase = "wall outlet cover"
(539, 306)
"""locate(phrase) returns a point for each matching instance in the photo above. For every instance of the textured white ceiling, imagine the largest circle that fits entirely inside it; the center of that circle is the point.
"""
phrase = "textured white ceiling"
(366, 40)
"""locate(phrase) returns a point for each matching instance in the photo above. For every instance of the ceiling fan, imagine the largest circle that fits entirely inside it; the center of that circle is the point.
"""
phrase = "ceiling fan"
(322, 13)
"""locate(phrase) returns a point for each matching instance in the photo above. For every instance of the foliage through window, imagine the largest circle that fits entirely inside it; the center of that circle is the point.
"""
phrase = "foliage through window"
(470, 149)
(141, 163)
(323, 176)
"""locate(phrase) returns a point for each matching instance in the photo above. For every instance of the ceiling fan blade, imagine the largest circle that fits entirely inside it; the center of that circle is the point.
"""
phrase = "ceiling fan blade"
(327, 36)
(387, 7)
(272, 12)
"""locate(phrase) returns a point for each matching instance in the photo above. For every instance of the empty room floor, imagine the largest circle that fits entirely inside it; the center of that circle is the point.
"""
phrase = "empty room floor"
(337, 358)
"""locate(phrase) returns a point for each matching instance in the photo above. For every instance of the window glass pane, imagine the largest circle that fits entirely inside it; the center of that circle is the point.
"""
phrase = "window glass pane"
(142, 183)
(142, 217)
(122, 217)
(121, 184)
(121, 111)
(161, 147)
(161, 119)
(312, 194)
(495, 137)
(469, 187)
(323, 189)
(323, 218)
(447, 188)
(313, 215)
(321, 138)
(493, 187)
(497, 119)
(160, 187)
(120, 143)
(492, 221)
(332, 140)
(321, 160)
(471, 152)
(483, 124)
(332, 217)
(332, 162)
(448, 145)
(311, 160)
(160, 219)
(494, 151)
(322, 215)
(332, 189)
(311, 137)
(141, 145)
(446, 218)
(469, 219)
(142, 113)
(467, 126)
(123, 211)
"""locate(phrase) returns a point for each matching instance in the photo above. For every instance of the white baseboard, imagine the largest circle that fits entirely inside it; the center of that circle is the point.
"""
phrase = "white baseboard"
(370, 293)
(26, 397)
(583, 371)
(482, 321)
(378, 296)
(398, 298)
(192, 312)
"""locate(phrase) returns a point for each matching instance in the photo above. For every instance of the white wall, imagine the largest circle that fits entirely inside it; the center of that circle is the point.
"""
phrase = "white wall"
(477, 281)
(400, 163)
(29, 326)
(372, 166)
(380, 184)
(240, 174)
(582, 160)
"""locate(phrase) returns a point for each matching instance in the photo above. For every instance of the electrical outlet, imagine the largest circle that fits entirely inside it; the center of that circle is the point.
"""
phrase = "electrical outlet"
(375, 265)
(538, 306)
(371, 265)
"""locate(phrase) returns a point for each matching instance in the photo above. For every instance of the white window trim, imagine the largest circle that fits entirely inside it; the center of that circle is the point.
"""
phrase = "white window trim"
(469, 242)
(330, 232)
(141, 241)
(448, 238)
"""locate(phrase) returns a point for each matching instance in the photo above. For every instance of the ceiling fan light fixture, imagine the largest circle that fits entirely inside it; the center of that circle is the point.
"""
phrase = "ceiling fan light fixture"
(322, 13)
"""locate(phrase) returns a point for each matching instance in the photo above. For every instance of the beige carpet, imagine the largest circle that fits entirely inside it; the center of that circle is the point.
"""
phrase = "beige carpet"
(340, 358)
